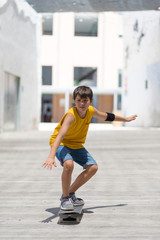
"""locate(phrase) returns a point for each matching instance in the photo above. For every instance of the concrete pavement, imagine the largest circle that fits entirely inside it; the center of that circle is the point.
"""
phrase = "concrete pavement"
(122, 201)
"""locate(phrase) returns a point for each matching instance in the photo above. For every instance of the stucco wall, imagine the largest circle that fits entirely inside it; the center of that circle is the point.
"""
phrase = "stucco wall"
(20, 29)
(142, 67)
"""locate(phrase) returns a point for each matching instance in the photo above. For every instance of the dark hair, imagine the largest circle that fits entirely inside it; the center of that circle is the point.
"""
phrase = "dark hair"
(83, 92)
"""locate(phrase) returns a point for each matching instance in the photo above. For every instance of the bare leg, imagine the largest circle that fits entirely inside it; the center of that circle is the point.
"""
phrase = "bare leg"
(66, 177)
(83, 177)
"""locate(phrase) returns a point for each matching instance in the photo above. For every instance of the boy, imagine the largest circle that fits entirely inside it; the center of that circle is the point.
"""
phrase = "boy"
(67, 144)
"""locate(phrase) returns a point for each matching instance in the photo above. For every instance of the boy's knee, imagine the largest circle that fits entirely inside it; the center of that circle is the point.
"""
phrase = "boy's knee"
(93, 168)
(68, 165)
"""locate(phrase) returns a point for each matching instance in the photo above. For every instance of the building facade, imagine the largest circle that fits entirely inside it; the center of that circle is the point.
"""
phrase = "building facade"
(43, 57)
(81, 49)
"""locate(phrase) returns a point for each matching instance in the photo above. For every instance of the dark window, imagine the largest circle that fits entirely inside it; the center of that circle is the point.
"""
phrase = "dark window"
(86, 24)
(119, 102)
(119, 78)
(46, 111)
(85, 76)
(47, 24)
(146, 84)
(46, 75)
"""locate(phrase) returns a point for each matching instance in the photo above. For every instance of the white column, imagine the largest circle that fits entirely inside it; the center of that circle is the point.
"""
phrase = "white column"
(66, 100)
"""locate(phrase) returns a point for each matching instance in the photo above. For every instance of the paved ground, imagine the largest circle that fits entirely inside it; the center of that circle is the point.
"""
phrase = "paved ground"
(122, 200)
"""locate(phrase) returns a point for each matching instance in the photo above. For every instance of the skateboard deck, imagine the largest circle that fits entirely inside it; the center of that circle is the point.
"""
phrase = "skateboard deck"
(73, 216)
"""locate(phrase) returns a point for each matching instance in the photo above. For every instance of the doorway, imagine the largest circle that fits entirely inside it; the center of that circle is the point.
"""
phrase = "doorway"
(11, 102)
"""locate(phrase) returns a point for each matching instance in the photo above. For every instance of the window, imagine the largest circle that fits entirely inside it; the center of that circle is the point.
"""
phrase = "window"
(119, 102)
(119, 78)
(47, 24)
(85, 76)
(86, 24)
(146, 84)
(46, 75)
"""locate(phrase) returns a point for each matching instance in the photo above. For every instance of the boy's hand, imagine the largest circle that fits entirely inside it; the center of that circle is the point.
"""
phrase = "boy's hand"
(131, 118)
(49, 162)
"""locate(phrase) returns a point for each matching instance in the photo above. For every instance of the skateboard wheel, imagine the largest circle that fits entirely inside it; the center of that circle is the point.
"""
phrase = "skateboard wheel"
(78, 219)
(60, 220)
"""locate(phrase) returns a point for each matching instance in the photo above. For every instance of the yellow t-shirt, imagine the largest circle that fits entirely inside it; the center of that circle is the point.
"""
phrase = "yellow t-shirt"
(77, 132)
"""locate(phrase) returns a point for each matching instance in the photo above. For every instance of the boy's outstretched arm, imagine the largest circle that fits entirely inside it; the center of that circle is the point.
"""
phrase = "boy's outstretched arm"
(69, 119)
(125, 119)
(104, 116)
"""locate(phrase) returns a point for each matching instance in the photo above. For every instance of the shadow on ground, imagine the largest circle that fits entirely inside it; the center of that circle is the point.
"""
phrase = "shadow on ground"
(55, 211)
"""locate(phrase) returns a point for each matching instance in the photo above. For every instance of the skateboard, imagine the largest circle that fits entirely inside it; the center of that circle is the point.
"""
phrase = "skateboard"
(72, 216)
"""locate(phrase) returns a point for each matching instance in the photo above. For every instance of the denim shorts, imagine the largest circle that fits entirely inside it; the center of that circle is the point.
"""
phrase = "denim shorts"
(80, 156)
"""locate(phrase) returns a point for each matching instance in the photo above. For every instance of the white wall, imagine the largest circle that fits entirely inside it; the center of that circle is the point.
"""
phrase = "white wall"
(142, 62)
(20, 30)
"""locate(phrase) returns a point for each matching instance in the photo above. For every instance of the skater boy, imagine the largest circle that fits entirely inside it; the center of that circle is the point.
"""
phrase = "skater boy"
(67, 144)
